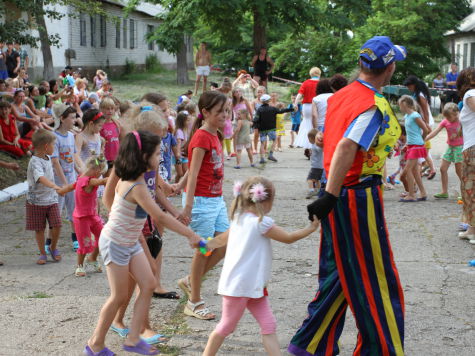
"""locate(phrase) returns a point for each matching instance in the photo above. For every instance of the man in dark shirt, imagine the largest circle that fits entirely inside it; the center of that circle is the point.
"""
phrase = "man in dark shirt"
(265, 121)
(451, 79)
(12, 60)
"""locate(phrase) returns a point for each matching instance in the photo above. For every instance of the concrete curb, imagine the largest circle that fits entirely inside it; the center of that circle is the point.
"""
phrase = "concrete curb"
(13, 192)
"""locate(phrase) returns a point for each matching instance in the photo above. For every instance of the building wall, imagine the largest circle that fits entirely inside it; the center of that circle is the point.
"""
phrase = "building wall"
(463, 49)
(91, 51)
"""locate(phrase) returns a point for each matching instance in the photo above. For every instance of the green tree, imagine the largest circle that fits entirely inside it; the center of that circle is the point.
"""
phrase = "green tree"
(18, 29)
(419, 25)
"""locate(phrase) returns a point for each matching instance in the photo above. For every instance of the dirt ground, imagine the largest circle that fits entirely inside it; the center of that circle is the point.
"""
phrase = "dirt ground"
(46, 310)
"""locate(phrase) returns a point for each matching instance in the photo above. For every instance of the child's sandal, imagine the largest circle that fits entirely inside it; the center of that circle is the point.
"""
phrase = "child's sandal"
(185, 286)
(203, 314)
(41, 260)
(56, 255)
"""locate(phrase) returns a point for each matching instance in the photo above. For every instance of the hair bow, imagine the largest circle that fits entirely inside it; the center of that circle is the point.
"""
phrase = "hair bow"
(258, 193)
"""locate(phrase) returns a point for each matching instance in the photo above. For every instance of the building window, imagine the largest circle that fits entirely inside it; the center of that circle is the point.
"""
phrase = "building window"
(93, 31)
(132, 34)
(465, 55)
(457, 53)
(124, 29)
(103, 27)
(472, 54)
(150, 30)
(82, 30)
(117, 34)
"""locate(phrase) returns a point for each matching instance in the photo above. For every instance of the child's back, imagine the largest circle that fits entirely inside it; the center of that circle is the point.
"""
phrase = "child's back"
(247, 266)
(243, 135)
(316, 158)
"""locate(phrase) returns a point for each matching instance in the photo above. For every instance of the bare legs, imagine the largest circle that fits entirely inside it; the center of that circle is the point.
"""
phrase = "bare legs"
(411, 174)
(119, 286)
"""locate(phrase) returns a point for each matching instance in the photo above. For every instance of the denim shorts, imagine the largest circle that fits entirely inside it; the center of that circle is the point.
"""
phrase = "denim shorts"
(269, 133)
(208, 216)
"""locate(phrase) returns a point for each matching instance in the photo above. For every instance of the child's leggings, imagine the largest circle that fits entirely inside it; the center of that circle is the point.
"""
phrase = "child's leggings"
(227, 144)
(233, 309)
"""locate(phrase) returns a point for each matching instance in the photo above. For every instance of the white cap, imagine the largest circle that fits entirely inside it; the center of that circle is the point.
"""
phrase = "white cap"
(265, 97)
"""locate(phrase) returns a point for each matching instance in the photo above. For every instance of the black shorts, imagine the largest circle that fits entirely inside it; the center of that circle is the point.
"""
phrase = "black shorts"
(315, 174)
(261, 75)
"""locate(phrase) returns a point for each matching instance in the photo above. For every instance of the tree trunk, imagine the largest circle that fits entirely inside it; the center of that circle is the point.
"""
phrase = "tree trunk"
(181, 65)
(259, 34)
(48, 70)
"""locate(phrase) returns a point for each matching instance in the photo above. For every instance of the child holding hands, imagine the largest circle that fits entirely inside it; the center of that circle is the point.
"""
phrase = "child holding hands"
(42, 197)
(247, 266)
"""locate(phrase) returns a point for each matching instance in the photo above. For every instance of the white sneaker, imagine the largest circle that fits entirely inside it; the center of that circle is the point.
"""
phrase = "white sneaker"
(80, 271)
(472, 240)
(465, 236)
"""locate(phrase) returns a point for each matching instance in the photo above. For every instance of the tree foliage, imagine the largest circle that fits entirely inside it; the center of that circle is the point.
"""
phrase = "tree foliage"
(16, 28)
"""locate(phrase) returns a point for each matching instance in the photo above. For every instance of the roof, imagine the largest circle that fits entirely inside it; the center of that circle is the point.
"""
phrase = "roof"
(143, 7)
(467, 24)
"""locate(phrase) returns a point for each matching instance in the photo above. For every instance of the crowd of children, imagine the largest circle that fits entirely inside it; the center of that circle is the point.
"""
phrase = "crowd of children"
(85, 146)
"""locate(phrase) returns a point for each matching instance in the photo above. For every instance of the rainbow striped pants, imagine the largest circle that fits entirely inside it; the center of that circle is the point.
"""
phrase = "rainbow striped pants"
(357, 269)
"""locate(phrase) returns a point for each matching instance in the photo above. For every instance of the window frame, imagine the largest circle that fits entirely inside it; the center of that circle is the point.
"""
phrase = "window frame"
(93, 30)
(118, 30)
(132, 33)
(150, 44)
(103, 30)
(82, 30)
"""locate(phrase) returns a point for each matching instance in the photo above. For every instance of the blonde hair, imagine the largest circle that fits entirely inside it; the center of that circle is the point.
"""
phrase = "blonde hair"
(107, 103)
(97, 162)
(450, 108)
(315, 72)
(312, 134)
(150, 121)
(410, 102)
(244, 111)
(80, 81)
(244, 199)
(43, 137)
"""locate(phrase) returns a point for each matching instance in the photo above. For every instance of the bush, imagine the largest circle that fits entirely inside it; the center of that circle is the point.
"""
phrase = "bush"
(130, 67)
(152, 64)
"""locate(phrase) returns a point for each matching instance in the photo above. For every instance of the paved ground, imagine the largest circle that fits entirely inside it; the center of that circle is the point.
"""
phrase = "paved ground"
(45, 310)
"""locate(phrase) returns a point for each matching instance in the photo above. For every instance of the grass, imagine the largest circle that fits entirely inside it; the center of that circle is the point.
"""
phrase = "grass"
(39, 295)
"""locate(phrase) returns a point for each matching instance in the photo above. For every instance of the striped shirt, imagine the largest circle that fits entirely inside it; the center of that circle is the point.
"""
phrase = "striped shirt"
(125, 223)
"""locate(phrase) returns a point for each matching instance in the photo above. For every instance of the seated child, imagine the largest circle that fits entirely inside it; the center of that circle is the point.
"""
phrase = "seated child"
(10, 140)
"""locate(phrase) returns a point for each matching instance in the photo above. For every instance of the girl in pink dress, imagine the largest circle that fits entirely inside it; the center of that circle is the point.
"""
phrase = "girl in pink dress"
(111, 132)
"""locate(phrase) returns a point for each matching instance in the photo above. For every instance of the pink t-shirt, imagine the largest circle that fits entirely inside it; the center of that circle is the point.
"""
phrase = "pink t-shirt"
(453, 128)
(110, 132)
(85, 203)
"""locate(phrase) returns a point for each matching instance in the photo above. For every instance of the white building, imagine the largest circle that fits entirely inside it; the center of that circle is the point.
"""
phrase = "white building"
(462, 42)
(90, 42)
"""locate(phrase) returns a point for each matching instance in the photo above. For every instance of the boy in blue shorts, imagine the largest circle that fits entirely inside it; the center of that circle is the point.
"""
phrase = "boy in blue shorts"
(296, 117)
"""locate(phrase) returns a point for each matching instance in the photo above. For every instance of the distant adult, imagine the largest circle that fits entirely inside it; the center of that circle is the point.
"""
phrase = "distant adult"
(203, 66)
(12, 60)
(3, 64)
(305, 95)
(356, 263)
(263, 66)
(246, 84)
(421, 94)
(24, 59)
(466, 89)
(451, 81)
(319, 103)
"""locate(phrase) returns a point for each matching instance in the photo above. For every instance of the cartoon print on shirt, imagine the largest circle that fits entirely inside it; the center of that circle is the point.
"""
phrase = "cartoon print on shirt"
(217, 159)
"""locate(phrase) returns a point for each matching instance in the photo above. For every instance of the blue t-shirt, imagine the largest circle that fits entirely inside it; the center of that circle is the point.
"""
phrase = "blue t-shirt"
(64, 150)
(413, 131)
(165, 168)
(296, 116)
(450, 77)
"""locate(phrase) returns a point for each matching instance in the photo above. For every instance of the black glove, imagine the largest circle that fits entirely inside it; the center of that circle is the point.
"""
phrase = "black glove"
(322, 206)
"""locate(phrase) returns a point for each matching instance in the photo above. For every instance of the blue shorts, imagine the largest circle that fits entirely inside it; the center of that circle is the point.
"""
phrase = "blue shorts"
(3, 74)
(295, 127)
(208, 216)
(269, 133)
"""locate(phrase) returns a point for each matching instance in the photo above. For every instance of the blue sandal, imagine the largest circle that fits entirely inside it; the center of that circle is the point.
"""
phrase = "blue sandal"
(120, 331)
(141, 348)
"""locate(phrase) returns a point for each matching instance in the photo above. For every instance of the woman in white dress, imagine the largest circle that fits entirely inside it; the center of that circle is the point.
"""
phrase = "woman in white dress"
(306, 93)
